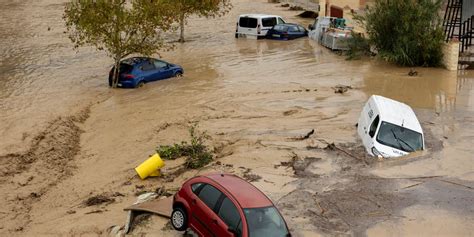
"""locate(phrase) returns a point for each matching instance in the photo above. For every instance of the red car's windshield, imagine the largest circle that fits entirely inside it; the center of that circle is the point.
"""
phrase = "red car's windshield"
(265, 221)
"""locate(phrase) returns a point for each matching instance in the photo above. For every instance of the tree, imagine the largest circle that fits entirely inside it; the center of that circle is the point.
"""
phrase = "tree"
(206, 8)
(407, 32)
(118, 27)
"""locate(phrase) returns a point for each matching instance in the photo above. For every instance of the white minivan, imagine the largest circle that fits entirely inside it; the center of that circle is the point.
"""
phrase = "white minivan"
(389, 128)
(256, 25)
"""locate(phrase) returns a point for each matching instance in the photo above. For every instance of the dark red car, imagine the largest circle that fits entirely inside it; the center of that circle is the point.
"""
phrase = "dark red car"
(225, 205)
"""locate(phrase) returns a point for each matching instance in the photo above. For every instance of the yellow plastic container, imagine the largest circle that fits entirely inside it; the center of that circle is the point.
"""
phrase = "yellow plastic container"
(150, 167)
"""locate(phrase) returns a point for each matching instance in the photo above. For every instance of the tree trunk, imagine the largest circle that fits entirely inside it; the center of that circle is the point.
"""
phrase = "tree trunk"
(116, 72)
(181, 27)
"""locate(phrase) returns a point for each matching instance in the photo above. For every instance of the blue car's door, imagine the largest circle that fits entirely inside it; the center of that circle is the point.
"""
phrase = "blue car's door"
(162, 70)
(303, 31)
(148, 70)
(293, 32)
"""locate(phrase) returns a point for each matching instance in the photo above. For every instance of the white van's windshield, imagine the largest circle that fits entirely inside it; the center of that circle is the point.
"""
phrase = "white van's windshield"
(399, 137)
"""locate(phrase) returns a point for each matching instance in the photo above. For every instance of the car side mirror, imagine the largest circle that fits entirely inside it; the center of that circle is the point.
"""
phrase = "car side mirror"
(310, 27)
(233, 231)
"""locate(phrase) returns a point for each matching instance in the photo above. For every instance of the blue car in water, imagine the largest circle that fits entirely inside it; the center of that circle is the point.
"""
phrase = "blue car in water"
(135, 72)
(286, 31)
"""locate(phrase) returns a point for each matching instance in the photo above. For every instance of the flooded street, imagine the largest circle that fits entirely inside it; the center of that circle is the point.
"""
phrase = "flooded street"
(41, 76)
(66, 136)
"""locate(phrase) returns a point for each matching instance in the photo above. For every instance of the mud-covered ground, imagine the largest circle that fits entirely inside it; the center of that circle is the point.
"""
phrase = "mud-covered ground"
(69, 143)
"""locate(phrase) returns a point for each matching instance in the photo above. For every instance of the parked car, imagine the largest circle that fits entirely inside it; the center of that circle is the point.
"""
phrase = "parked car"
(256, 25)
(287, 31)
(389, 128)
(135, 72)
(224, 205)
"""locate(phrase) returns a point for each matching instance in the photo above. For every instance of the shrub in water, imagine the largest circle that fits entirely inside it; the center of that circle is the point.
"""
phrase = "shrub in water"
(196, 152)
(406, 32)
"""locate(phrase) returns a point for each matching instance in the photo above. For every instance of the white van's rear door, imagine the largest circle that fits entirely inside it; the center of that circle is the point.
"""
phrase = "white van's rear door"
(247, 26)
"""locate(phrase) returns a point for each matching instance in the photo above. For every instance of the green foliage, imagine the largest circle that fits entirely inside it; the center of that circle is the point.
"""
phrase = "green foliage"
(196, 152)
(172, 152)
(406, 32)
(205, 8)
(118, 27)
(358, 47)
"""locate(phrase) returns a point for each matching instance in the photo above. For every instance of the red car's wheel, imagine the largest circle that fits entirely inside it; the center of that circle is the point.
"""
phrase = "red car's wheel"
(179, 219)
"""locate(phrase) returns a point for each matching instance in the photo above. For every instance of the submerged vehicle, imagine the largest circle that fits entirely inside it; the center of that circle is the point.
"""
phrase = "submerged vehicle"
(256, 25)
(389, 128)
(225, 205)
(136, 71)
(287, 31)
(331, 32)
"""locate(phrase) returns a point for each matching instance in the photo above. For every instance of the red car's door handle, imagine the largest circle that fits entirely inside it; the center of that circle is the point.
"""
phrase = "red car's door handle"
(214, 221)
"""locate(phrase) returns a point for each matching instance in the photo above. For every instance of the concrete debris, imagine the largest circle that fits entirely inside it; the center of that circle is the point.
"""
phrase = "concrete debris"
(341, 89)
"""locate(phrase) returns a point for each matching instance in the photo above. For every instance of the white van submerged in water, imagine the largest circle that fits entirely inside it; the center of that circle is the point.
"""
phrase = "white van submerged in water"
(389, 128)
(256, 25)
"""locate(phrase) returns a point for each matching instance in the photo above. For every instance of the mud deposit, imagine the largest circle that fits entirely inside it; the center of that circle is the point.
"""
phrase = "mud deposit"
(281, 114)
(26, 177)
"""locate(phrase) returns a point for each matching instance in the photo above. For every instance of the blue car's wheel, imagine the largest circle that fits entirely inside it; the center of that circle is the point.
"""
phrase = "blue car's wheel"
(140, 84)
(178, 74)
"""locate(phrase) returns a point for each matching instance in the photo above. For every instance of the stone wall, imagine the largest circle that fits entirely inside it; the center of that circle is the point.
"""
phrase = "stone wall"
(311, 5)
(451, 55)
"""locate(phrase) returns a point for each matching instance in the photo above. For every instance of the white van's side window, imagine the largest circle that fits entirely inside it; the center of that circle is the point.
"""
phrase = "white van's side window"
(280, 21)
(248, 22)
(269, 22)
(373, 126)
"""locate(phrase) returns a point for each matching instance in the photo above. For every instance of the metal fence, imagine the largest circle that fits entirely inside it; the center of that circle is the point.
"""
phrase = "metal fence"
(467, 33)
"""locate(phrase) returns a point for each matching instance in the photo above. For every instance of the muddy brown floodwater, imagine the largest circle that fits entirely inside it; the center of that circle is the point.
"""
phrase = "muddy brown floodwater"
(66, 137)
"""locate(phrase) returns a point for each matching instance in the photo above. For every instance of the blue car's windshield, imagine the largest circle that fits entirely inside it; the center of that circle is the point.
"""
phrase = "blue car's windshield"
(265, 221)
(399, 137)
(280, 28)
(294, 28)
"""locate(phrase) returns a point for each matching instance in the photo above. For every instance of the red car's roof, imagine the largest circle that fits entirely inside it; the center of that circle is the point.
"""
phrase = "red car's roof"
(247, 195)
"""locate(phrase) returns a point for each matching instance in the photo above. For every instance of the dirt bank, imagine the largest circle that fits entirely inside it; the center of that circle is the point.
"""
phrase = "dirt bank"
(26, 177)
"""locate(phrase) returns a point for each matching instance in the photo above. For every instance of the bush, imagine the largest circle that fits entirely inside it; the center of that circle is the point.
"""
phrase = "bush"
(406, 32)
(196, 152)
(358, 47)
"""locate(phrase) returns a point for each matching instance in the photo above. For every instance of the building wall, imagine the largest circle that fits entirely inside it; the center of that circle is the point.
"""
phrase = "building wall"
(341, 4)
(467, 9)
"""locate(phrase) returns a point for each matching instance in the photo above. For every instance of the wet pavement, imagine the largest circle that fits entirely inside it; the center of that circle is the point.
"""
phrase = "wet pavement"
(251, 97)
